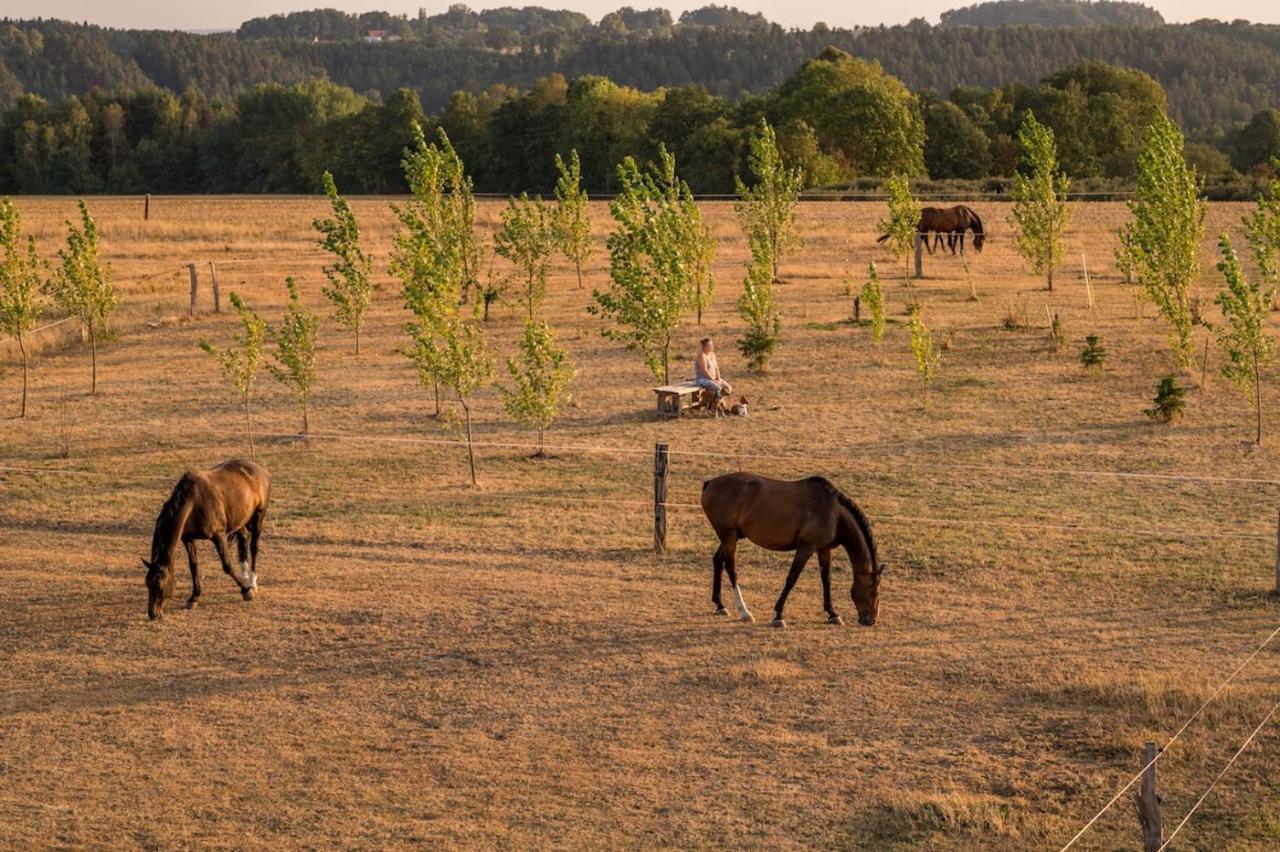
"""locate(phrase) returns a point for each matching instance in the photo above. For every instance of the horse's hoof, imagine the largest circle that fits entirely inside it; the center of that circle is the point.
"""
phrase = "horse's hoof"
(721, 611)
(778, 622)
(835, 619)
(247, 594)
(746, 617)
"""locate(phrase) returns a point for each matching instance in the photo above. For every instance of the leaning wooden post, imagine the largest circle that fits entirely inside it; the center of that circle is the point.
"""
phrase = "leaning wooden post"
(660, 463)
(920, 238)
(213, 279)
(146, 207)
(195, 289)
(1148, 802)
(1088, 287)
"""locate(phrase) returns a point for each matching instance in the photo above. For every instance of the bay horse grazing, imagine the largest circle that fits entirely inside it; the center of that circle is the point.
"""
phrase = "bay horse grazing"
(808, 516)
(951, 223)
(229, 499)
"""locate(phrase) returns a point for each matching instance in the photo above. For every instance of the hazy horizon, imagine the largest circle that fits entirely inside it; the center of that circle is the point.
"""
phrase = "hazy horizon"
(148, 14)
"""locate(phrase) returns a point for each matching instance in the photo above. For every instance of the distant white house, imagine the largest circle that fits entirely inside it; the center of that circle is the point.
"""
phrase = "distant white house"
(376, 35)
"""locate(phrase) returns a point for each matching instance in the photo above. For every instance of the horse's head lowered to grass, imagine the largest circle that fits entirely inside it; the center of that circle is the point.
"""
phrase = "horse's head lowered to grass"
(865, 593)
(159, 587)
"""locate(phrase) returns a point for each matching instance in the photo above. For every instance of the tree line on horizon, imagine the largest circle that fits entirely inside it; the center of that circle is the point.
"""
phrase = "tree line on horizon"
(838, 118)
(1216, 75)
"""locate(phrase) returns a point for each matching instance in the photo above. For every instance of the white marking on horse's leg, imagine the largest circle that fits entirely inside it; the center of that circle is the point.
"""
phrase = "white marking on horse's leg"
(744, 614)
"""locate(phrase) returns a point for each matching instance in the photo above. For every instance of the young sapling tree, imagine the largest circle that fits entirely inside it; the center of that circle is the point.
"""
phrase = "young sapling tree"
(571, 220)
(756, 305)
(295, 355)
(1243, 334)
(928, 358)
(19, 286)
(767, 208)
(81, 284)
(1162, 239)
(900, 230)
(873, 297)
(526, 240)
(652, 279)
(239, 362)
(350, 286)
(541, 373)
(1040, 212)
(1093, 354)
(1169, 402)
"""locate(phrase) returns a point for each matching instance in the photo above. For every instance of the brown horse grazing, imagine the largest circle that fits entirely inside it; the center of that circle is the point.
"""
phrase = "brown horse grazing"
(951, 223)
(228, 499)
(808, 516)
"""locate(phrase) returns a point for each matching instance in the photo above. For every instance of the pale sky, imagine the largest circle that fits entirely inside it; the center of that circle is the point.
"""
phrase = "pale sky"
(227, 14)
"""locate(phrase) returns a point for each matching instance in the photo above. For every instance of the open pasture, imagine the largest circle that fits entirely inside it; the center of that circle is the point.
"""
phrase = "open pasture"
(513, 667)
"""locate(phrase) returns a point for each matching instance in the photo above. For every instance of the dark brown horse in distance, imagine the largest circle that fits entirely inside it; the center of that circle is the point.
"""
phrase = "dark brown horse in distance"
(229, 499)
(809, 516)
(951, 223)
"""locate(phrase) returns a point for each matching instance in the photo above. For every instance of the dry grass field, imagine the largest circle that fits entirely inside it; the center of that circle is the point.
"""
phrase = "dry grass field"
(513, 667)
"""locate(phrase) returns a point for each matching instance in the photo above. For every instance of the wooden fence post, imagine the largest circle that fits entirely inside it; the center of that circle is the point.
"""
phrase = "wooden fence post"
(195, 289)
(1278, 557)
(146, 207)
(660, 463)
(213, 279)
(857, 309)
(1148, 802)
(1088, 287)
(920, 238)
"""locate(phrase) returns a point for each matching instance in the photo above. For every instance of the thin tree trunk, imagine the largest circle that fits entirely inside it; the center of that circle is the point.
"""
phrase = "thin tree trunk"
(1050, 279)
(248, 428)
(93, 346)
(357, 338)
(1257, 397)
(436, 382)
(666, 362)
(1204, 366)
(699, 303)
(578, 265)
(22, 412)
(471, 454)
(541, 450)
(306, 426)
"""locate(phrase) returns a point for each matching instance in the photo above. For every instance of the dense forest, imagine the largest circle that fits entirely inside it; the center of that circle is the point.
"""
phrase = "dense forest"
(838, 117)
(1216, 75)
(1053, 13)
(269, 108)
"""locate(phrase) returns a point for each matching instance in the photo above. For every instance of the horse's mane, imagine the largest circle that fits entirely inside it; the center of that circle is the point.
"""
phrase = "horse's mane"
(170, 512)
(977, 220)
(858, 516)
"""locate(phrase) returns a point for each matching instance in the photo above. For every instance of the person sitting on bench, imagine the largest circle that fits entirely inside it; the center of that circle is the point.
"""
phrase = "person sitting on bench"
(706, 372)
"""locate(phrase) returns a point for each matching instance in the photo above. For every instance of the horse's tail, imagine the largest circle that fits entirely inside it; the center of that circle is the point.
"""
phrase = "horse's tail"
(172, 518)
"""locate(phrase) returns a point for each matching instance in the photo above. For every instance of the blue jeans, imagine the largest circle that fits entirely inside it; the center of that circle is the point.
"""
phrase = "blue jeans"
(711, 385)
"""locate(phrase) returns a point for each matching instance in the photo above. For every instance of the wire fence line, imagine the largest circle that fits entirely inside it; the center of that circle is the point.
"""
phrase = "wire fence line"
(1219, 776)
(1178, 733)
(846, 455)
(735, 453)
(992, 522)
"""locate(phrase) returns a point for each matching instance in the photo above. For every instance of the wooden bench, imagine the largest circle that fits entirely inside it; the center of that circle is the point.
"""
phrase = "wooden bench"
(673, 400)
